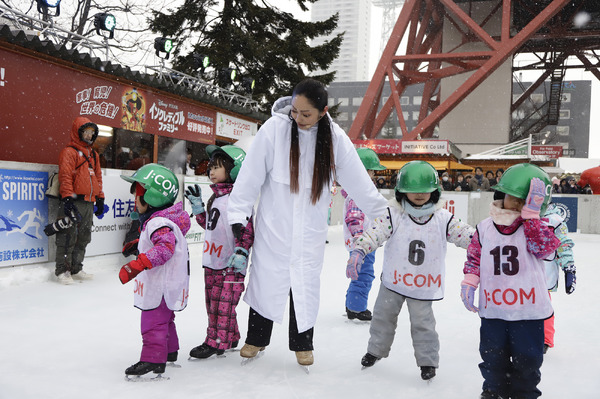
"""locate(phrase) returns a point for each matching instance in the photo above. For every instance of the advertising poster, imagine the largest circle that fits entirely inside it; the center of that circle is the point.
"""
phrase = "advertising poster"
(110, 228)
(23, 216)
(196, 233)
(567, 207)
(457, 204)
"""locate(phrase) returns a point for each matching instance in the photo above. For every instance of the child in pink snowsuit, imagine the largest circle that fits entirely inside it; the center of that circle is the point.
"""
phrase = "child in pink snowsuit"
(161, 270)
(225, 256)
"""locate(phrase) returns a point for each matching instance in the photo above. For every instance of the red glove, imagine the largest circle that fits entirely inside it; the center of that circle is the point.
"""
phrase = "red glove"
(133, 268)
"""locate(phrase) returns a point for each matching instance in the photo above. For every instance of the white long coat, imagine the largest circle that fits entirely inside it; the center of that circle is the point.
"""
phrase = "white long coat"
(290, 232)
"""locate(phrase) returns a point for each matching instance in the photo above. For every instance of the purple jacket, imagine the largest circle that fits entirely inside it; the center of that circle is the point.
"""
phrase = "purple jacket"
(163, 239)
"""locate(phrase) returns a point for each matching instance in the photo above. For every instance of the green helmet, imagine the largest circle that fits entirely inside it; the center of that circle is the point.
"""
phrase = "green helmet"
(417, 177)
(370, 159)
(515, 181)
(160, 183)
(236, 154)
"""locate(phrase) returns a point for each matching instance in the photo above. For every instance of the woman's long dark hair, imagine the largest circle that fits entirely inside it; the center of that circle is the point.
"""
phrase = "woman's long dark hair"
(324, 166)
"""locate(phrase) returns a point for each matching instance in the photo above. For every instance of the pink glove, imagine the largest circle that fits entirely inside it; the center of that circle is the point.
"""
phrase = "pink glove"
(357, 257)
(467, 291)
(534, 200)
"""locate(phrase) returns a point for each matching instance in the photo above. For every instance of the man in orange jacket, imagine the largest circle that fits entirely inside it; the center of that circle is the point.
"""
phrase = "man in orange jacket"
(80, 180)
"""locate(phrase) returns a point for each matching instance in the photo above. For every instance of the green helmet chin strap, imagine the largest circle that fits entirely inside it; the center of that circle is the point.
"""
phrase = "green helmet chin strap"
(160, 183)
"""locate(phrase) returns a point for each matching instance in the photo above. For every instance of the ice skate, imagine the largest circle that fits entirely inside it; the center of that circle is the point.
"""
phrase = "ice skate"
(205, 351)
(427, 373)
(365, 315)
(251, 353)
(65, 278)
(171, 359)
(305, 359)
(368, 360)
(137, 372)
(82, 276)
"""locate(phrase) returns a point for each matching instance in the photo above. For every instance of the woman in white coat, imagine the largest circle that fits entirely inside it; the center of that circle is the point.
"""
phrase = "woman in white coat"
(292, 163)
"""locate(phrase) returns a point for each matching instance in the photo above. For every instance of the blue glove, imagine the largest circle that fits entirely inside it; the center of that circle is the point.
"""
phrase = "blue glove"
(535, 199)
(357, 257)
(569, 281)
(194, 195)
(239, 260)
(467, 291)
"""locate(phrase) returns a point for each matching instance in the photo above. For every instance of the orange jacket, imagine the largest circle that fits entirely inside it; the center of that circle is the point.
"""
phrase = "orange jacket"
(77, 176)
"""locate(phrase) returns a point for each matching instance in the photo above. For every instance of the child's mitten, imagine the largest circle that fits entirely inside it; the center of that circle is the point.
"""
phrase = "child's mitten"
(194, 195)
(239, 260)
(534, 200)
(357, 257)
(467, 291)
(133, 268)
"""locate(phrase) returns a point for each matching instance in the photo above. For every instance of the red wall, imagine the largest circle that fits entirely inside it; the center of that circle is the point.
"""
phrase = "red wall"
(39, 100)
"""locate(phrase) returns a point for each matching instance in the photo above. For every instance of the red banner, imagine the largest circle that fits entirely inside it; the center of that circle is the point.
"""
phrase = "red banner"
(552, 151)
(39, 101)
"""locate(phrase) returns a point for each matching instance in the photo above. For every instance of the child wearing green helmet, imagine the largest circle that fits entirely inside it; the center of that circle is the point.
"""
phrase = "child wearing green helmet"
(161, 270)
(225, 256)
(415, 233)
(505, 260)
(355, 221)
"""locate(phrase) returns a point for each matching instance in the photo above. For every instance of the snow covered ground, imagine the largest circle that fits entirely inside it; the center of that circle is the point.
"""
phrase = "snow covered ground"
(76, 341)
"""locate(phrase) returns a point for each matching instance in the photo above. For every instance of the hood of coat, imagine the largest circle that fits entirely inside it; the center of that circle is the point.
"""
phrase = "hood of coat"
(177, 215)
(282, 107)
(80, 123)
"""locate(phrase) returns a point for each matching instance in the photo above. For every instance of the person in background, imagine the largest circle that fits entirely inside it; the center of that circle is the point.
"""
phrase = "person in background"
(190, 168)
(570, 187)
(225, 269)
(461, 184)
(80, 178)
(506, 256)
(447, 184)
(499, 173)
(355, 221)
(416, 230)
(479, 182)
(555, 185)
(562, 261)
(491, 178)
(291, 164)
(161, 269)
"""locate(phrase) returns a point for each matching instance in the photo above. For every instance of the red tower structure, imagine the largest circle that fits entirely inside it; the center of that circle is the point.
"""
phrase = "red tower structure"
(547, 28)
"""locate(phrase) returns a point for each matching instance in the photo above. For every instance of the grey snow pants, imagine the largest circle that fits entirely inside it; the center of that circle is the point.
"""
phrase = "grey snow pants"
(71, 243)
(425, 339)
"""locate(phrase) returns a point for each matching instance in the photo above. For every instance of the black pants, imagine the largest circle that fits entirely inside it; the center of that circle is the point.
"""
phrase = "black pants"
(260, 329)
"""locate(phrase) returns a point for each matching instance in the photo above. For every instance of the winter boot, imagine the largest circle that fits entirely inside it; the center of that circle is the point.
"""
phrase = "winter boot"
(305, 358)
(427, 372)
(365, 315)
(369, 360)
(141, 368)
(204, 351)
(249, 351)
(172, 357)
(81, 275)
(489, 395)
(65, 278)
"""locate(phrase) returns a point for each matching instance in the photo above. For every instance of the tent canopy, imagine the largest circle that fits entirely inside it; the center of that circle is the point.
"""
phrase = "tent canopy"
(438, 165)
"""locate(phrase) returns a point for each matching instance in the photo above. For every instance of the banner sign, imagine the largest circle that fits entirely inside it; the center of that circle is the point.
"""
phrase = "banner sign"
(457, 204)
(23, 216)
(196, 232)
(108, 232)
(567, 207)
(43, 97)
(382, 146)
(234, 128)
(551, 151)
